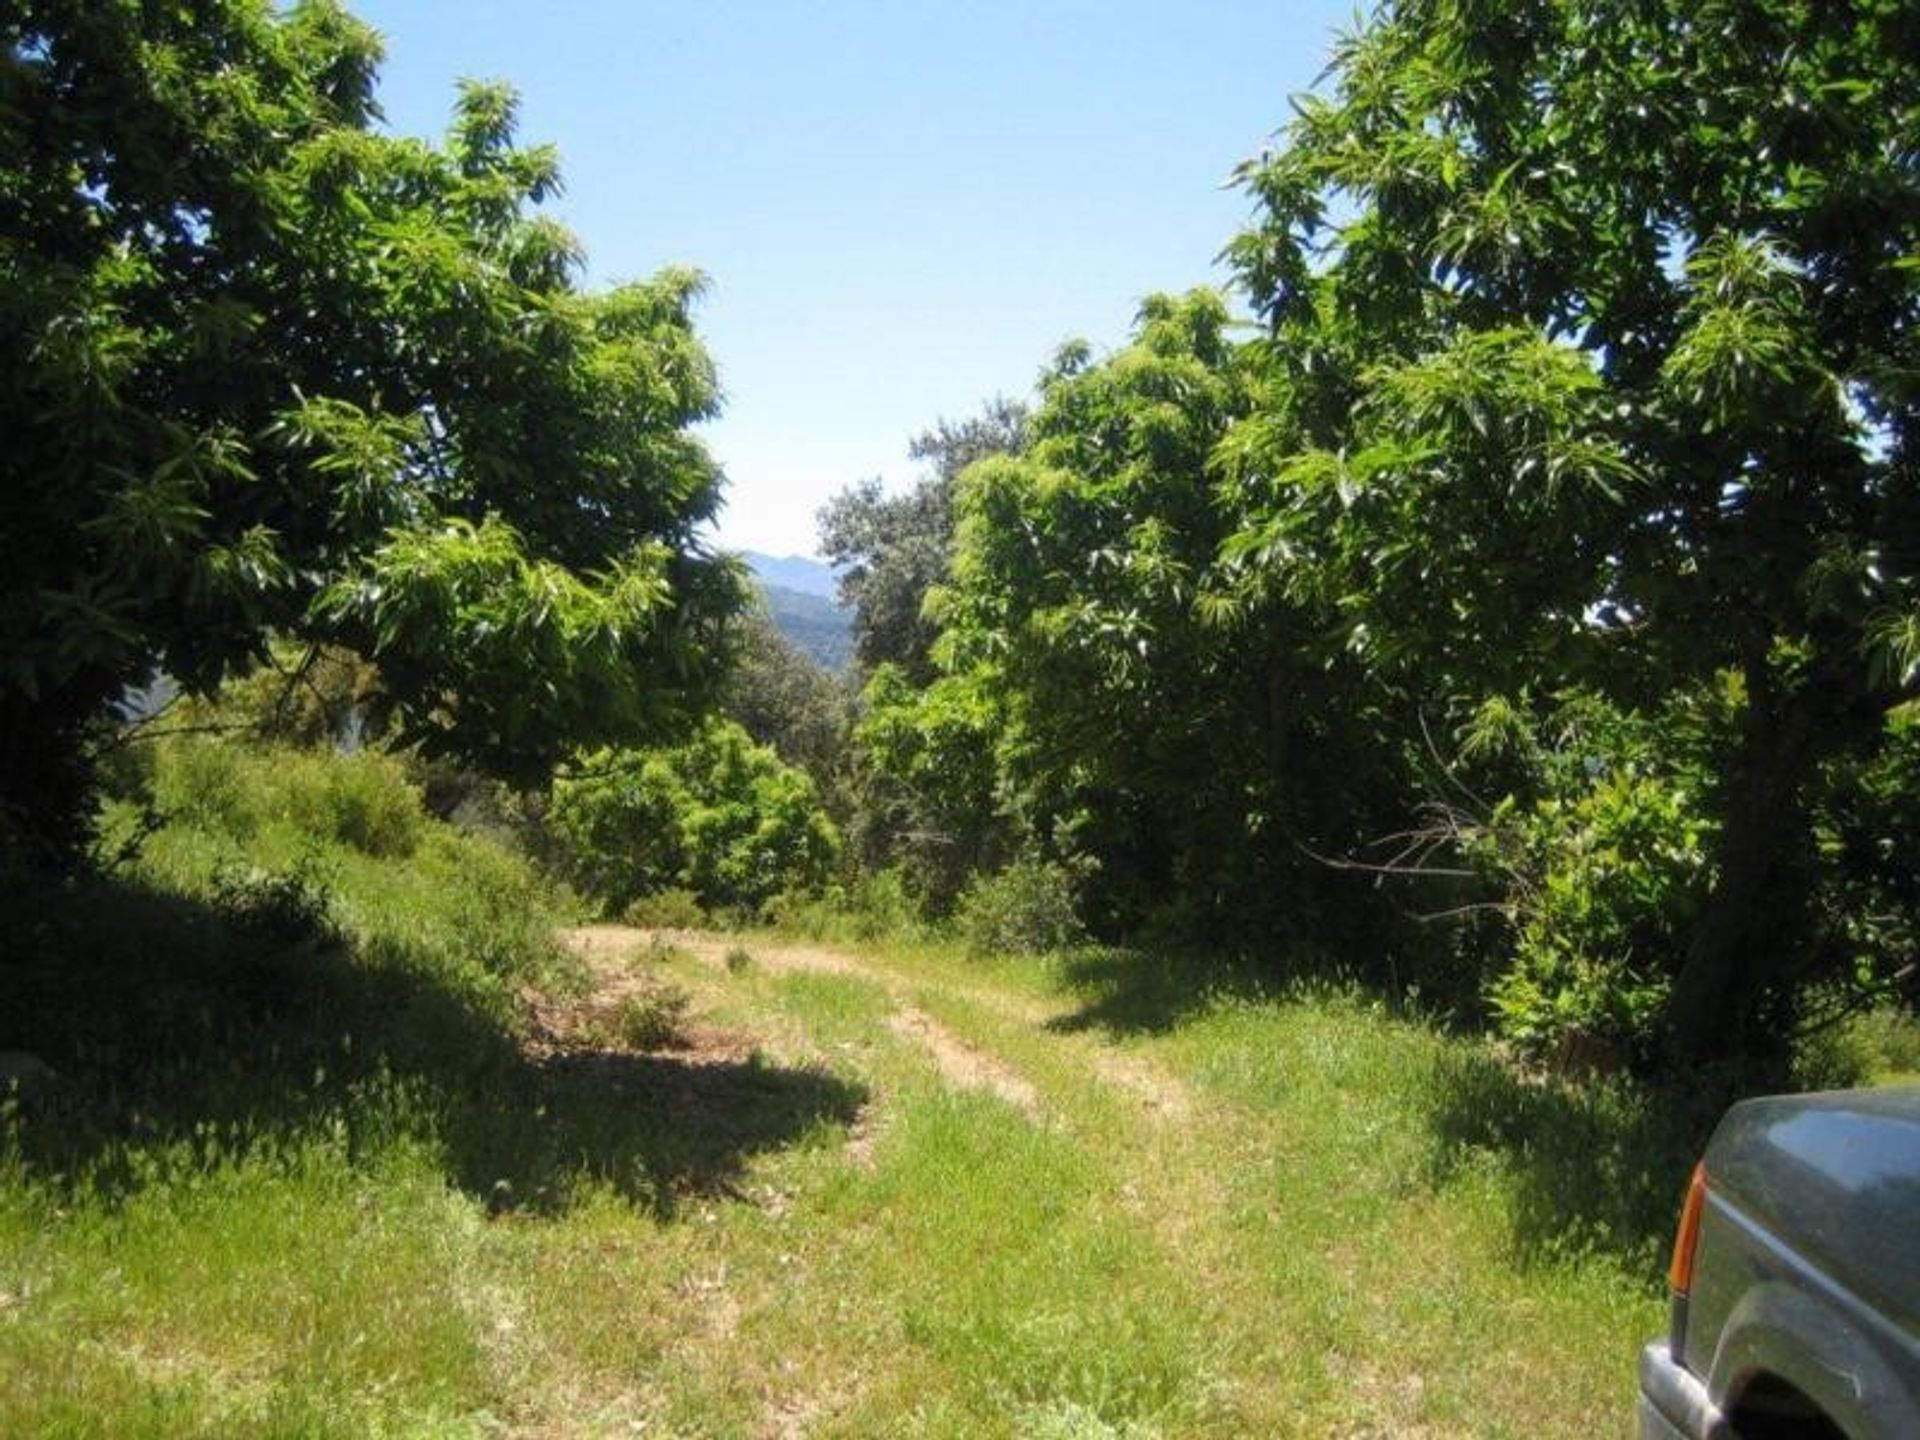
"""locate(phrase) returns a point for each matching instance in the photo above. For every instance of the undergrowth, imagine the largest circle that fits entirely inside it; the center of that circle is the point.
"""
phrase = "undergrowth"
(293, 1073)
(341, 1143)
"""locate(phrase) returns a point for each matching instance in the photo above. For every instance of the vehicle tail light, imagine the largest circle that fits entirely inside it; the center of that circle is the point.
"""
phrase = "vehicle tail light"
(1687, 1239)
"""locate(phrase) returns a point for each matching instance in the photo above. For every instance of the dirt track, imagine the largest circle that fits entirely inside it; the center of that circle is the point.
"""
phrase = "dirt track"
(963, 1065)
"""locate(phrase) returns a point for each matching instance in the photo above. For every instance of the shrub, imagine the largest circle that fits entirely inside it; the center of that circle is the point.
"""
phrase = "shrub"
(719, 816)
(654, 1019)
(1604, 868)
(282, 907)
(488, 907)
(879, 905)
(364, 800)
(1873, 1046)
(666, 910)
(400, 883)
(1026, 909)
(1620, 873)
(206, 784)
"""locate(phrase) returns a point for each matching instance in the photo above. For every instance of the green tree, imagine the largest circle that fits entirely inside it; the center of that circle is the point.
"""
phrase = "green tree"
(719, 816)
(269, 372)
(1590, 353)
(890, 550)
(1181, 760)
(929, 781)
(784, 699)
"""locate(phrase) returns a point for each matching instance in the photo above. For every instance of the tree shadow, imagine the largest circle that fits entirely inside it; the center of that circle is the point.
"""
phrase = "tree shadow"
(659, 1130)
(182, 1042)
(1597, 1165)
(1152, 991)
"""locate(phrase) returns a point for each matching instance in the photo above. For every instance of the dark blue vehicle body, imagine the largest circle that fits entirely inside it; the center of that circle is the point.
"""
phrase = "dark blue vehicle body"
(1801, 1313)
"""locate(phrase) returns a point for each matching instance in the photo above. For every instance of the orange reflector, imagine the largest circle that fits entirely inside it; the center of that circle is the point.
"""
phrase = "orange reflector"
(1687, 1239)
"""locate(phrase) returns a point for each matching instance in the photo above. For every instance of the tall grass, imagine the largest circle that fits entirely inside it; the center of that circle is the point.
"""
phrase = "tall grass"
(296, 1080)
(344, 1145)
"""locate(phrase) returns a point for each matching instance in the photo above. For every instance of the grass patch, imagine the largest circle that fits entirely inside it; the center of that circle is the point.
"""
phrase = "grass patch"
(302, 1116)
(337, 1149)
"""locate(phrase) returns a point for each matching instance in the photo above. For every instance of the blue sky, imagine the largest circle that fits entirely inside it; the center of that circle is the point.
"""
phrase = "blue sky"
(903, 208)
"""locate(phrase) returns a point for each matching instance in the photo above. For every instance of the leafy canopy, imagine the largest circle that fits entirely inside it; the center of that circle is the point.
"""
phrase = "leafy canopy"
(271, 371)
(1589, 359)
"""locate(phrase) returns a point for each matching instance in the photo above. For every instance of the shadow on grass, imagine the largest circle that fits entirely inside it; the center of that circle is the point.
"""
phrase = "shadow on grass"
(1597, 1166)
(1148, 991)
(183, 1042)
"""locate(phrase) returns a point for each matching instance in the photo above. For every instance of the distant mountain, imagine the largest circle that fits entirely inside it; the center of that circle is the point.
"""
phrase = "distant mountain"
(815, 626)
(792, 572)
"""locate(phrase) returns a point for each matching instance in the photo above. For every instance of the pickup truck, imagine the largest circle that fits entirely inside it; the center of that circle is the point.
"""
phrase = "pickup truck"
(1796, 1276)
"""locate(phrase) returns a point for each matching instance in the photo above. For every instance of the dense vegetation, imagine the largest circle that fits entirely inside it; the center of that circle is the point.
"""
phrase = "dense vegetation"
(270, 372)
(1521, 609)
(1500, 608)
(1525, 611)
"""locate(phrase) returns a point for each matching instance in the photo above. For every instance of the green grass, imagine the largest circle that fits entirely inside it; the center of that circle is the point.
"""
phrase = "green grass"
(335, 1171)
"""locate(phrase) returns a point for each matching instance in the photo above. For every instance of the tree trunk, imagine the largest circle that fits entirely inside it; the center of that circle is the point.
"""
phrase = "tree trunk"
(1753, 934)
(46, 782)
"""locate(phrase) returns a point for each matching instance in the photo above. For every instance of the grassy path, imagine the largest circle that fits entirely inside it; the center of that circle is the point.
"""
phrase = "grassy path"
(1240, 1223)
(738, 1187)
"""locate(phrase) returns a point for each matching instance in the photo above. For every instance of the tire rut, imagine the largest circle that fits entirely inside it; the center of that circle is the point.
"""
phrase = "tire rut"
(1160, 1095)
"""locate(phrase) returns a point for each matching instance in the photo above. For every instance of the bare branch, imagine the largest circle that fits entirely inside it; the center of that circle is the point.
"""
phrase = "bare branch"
(1334, 863)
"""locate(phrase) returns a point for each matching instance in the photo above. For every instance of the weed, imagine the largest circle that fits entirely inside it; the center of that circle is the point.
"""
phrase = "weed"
(654, 1019)
(739, 960)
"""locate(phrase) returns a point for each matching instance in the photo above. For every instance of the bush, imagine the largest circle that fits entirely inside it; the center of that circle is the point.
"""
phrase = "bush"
(654, 1019)
(205, 784)
(876, 906)
(1872, 1047)
(485, 906)
(1605, 870)
(282, 907)
(363, 800)
(720, 817)
(1027, 909)
(879, 906)
(667, 910)
(395, 881)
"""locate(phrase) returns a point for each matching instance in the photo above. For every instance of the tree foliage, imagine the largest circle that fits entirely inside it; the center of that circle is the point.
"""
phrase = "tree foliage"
(1579, 399)
(1095, 707)
(931, 801)
(1589, 347)
(718, 816)
(892, 549)
(269, 371)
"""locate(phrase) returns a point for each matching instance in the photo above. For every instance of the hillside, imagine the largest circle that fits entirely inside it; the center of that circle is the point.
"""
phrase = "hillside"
(793, 572)
(818, 628)
(800, 598)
